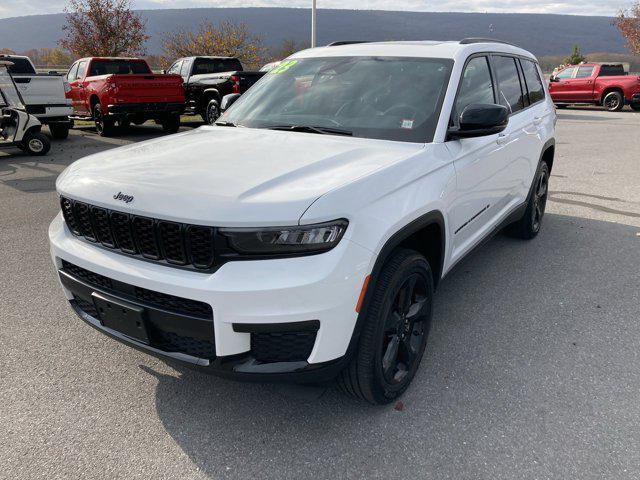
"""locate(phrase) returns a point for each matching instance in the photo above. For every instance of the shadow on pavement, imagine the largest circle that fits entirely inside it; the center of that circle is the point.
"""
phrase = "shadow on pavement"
(532, 356)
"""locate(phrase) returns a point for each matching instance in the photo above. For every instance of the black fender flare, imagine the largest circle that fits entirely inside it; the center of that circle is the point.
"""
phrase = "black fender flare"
(423, 221)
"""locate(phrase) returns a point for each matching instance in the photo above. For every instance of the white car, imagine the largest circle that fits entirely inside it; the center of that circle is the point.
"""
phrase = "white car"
(302, 237)
(44, 94)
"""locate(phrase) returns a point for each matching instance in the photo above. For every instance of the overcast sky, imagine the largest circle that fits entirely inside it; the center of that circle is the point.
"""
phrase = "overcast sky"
(13, 8)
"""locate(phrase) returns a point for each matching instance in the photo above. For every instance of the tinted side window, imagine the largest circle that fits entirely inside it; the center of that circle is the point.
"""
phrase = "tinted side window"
(476, 86)
(566, 73)
(175, 68)
(186, 66)
(82, 69)
(584, 72)
(509, 88)
(73, 73)
(533, 81)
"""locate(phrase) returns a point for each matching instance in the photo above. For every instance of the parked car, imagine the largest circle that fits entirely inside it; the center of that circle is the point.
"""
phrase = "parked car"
(208, 79)
(603, 84)
(310, 247)
(44, 94)
(18, 128)
(119, 91)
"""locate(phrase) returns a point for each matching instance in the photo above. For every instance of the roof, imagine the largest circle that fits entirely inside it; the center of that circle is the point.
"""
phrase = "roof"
(416, 48)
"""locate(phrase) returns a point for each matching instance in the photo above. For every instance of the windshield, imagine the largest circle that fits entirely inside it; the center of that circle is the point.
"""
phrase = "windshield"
(8, 89)
(215, 65)
(389, 98)
(120, 67)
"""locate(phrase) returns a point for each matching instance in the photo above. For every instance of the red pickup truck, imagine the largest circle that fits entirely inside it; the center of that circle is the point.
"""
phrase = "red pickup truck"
(597, 84)
(117, 91)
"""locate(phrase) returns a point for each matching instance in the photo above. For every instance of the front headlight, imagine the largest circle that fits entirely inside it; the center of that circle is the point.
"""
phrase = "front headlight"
(286, 240)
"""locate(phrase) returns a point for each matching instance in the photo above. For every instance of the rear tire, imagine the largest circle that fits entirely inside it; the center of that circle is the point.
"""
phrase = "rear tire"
(104, 124)
(531, 222)
(212, 112)
(59, 131)
(171, 124)
(613, 101)
(36, 144)
(395, 332)
(635, 106)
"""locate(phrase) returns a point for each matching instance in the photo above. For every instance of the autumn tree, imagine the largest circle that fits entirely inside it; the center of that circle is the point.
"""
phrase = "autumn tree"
(628, 22)
(227, 39)
(576, 57)
(287, 48)
(106, 28)
(6, 51)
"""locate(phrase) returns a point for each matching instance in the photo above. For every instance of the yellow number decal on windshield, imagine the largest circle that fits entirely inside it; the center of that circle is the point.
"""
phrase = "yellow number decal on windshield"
(284, 66)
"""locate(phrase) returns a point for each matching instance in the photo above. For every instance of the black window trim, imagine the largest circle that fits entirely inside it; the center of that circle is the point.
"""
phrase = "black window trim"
(519, 57)
(544, 93)
(486, 55)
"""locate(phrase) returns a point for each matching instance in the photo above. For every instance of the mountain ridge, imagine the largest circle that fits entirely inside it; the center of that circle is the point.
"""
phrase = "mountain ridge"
(561, 32)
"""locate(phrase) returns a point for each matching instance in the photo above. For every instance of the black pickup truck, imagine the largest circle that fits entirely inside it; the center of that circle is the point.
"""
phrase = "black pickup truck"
(208, 79)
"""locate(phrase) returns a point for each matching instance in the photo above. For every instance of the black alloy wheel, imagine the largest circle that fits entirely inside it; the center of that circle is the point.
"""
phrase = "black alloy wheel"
(396, 320)
(540, 193)
(405, 330)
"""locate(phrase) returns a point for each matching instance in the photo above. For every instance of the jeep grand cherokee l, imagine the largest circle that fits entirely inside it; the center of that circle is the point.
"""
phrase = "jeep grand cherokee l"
(301, 238)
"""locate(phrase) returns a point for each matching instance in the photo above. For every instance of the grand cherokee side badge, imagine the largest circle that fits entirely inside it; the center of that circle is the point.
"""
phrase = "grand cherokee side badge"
(125, 198)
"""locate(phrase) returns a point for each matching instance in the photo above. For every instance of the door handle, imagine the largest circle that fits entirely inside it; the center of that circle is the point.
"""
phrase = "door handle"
(537, 120)
(503, 138)
(80, 85)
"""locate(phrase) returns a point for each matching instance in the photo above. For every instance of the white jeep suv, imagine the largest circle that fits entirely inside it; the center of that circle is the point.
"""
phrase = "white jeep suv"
(302, 237)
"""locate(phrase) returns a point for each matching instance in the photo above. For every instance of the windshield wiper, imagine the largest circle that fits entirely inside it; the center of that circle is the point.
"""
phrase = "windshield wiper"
(312, 129)
(225, 124)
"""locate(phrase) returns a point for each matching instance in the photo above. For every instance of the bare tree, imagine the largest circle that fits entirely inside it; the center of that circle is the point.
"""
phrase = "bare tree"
(628, 22)
(288, 47)
(227, 39)
(103, 28)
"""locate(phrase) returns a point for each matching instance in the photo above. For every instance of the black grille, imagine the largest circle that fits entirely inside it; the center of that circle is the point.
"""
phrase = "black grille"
(93, 279)
(282, 346)
(163, 340)
(179, 305)
(173, 342)
(190, 246)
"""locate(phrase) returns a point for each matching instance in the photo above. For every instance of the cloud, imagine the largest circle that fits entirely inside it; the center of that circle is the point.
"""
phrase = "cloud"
(13, 8)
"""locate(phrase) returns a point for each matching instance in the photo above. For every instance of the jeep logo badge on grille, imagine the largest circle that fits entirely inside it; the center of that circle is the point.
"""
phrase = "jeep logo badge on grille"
(125, 198)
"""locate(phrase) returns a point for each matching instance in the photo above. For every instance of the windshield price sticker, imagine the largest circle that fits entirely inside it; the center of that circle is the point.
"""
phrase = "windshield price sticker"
(406, 124)
(284, 66)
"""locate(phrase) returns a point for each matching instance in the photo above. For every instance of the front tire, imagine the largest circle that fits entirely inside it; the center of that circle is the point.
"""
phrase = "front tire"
(613, 101)
(531, 222)
(59, 131)
(396, 327)
(36, 144)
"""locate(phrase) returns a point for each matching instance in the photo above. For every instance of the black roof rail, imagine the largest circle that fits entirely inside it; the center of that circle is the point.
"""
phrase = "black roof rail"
(346, 42)
(469, 41)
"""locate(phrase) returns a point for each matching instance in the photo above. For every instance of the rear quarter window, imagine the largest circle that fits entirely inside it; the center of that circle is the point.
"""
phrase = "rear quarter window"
(533, 81)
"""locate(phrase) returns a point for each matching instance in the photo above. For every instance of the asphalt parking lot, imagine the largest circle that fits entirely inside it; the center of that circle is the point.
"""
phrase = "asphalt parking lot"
(532, 370)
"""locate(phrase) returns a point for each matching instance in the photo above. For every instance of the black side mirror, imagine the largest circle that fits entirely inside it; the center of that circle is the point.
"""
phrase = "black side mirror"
(479, 120)
(229, 100)
(553, 78)
(164, 71)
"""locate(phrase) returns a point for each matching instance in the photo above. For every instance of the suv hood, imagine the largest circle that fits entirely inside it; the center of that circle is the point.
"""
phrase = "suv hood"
(227, 176)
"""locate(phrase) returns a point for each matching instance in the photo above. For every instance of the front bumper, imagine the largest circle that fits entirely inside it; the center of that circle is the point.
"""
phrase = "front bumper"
(150, 108)
(245, 297)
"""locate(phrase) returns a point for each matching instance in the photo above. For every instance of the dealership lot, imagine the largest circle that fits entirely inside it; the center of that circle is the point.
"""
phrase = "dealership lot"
(532, 370)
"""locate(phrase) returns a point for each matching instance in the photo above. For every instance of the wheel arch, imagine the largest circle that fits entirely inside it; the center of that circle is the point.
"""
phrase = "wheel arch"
(548, 153)
(210, 94)
(431, 227)
(93, 101)
(609, 89)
